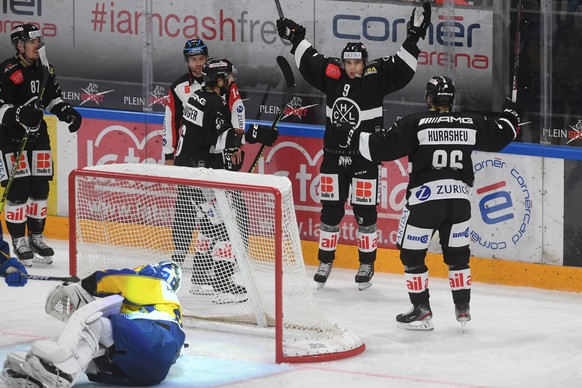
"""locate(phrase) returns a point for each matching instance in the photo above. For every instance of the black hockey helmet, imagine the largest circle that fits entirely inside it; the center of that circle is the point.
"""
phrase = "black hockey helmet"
(24, 32)
(355, 50)
(442, 91)
(216, 68)
(195, 47)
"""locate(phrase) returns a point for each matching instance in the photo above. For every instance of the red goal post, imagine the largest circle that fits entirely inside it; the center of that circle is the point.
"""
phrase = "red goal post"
(125, 215)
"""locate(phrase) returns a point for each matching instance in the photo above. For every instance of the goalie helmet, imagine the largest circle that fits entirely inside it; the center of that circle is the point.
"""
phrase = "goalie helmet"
(195, 47)
(172, 274)
(216, 68)
(442, 91)
(355, 50)
(24, 32)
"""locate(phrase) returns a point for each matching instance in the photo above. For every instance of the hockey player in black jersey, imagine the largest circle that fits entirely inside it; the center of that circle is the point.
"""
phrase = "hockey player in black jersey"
(438, 144)
(21, 77)
(195, 54)
(354, 88)
(208, 139)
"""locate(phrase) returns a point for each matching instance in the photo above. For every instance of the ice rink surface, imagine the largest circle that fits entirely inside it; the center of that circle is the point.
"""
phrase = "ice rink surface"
(519, 337)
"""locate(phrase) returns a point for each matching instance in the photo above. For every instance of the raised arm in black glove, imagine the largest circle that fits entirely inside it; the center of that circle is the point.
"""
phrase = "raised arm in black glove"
(261, 134)
(291, 31)
(69, 115)
(419, 22)
(513, 112)
(28, 116)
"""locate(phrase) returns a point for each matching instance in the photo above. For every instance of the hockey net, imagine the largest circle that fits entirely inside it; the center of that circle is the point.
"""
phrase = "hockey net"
(234, 235)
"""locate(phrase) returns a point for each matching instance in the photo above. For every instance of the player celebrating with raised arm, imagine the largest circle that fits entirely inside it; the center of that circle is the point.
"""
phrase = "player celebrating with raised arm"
(124, 327)
(355, 90)
(208, 139)
(438, 144)
(21, 111)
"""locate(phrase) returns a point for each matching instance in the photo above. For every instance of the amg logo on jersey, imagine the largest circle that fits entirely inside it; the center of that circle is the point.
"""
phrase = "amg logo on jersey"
(445, 119)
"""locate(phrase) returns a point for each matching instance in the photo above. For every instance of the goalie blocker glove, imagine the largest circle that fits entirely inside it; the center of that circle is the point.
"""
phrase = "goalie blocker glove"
(419, 22)
(291, 31)
(68, 114)
(261, 134)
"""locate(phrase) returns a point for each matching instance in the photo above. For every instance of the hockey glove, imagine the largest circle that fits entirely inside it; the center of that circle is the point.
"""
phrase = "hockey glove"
(29, 117)
(233, 159)
(419, 22)
(14, 273)
(512, 112)
(291, 31)
(261, 134)
(69, 115)
(345, 139)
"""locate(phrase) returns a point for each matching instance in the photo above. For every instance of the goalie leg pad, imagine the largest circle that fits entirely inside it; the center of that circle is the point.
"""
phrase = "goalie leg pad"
(63, 362)
(62, 301)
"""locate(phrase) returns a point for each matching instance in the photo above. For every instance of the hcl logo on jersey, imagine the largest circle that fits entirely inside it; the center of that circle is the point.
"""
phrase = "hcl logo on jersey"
(345, 110)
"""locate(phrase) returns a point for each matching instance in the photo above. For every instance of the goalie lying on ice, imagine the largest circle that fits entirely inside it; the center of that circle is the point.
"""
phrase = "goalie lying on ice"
(123, 327)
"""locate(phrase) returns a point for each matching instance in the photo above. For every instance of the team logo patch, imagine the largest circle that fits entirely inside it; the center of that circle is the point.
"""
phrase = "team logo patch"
(328, 187)
(42, 163)
(370, 70)
(364, 191)
(17, 77)
(345, 110)
(333, 71)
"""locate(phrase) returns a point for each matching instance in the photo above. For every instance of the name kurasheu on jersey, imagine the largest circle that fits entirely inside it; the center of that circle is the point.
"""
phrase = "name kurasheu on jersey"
(436, 136)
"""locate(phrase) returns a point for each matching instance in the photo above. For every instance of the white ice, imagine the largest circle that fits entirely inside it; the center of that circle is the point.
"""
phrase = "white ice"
(518, 337)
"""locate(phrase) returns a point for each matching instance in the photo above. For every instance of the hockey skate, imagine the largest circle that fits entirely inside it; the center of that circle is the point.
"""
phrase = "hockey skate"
(43, 254)
(22, 251)
(322, 274)
(418, 318)
(14, 375)
(228, 292)
(463, 313)
(364, 276)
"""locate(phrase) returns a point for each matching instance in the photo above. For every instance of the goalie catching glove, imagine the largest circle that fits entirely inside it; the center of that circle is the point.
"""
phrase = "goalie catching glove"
(261, 134)
(419, 22)
(291, 31)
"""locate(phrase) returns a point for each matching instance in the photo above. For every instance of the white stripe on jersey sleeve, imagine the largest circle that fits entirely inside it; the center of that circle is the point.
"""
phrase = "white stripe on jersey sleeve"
(365, 145)
(304, 45)
(408, 58)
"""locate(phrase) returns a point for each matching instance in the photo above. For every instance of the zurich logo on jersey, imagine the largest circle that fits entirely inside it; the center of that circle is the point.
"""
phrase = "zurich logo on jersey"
(423, 193)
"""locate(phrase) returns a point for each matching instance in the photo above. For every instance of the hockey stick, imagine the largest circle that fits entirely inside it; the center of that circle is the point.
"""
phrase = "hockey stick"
(65, 279)
(38, 104)
(516, 54)
(290, 82)
(278, 4)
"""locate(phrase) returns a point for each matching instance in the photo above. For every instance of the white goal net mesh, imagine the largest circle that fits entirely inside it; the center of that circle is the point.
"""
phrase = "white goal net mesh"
(233, 234)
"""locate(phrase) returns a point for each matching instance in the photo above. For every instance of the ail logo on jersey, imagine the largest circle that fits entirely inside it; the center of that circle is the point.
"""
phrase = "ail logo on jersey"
(367, 242)
(36, 210)
(364, 191)
(333, 71)
(417, 284)
(19, 215)
(328, 187)
(17, 77)
(328, 240)
(459, 280)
